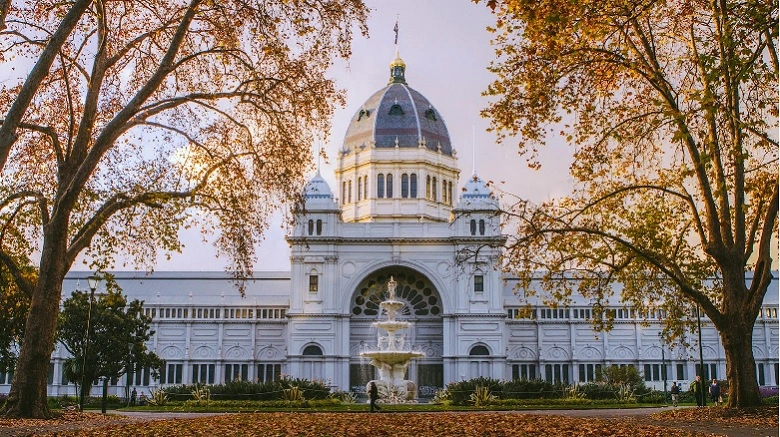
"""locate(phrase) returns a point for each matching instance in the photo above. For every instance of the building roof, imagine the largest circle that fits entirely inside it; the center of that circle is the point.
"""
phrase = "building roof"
(398, 115)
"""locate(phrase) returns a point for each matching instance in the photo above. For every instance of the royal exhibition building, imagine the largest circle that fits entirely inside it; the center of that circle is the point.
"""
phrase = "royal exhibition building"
(400, 209)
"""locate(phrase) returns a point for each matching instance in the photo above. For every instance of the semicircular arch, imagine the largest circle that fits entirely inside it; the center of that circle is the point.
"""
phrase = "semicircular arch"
(421, 297)
(355, 284)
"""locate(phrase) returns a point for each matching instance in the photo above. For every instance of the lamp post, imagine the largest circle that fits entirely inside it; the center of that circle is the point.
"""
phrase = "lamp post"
(663, 364)
(701, 358)
(93, 282)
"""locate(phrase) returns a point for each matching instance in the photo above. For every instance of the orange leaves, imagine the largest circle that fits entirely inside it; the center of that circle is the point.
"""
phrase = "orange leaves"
(751, 417)
(386, 424)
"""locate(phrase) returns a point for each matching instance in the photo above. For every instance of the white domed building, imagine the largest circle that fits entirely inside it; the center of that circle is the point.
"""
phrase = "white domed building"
(396, 215)
(397, 210)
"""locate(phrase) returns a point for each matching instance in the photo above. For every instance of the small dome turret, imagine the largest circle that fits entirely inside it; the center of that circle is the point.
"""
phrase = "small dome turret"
(477, 196)
(318, 196)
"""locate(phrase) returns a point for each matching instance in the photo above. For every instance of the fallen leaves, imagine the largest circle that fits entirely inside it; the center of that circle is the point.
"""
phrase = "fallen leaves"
(696, 421)
(65, 421)
(389, 424)
(753, 417)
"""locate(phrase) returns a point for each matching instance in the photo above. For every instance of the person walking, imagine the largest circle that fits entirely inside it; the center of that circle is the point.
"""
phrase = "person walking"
(373, 395)
(698, 391)
(133, 396)
(675, 391)
(715, 392)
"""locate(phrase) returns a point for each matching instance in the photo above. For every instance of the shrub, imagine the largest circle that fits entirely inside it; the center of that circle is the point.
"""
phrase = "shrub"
(599, 391)
(310, 389)
(256, 405)
(344, 397)
(460, 391)
(546, 402)
(531, 389)
(652, 397)
(771, 400)
(60, 403)
(248, 390)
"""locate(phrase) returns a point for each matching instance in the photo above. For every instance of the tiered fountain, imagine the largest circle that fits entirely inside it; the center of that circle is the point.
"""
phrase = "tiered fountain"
(392, 357)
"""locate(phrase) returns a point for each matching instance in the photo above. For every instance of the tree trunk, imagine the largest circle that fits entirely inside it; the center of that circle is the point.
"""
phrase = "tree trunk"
(28, 396)
(740, 367)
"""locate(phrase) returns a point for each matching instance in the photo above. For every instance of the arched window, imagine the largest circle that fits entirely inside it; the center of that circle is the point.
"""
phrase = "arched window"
(380, 185)
(481, 227)
(479, 350)
(413, 186)
(343, 192)
(404, 185)
(473, 227)
(444, 192)
(312, 349)
(450, 190)
(365, 187)
(428, 187)
(389, 186)
(359, 188)
(311, 227)
(319, 227)
(349, 191)
(434, 197)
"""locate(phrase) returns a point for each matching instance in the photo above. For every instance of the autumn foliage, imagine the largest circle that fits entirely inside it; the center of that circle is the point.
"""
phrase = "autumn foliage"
(671, 112)
(123, 122)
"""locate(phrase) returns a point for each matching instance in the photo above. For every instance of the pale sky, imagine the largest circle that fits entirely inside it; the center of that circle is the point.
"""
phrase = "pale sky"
(447, 50)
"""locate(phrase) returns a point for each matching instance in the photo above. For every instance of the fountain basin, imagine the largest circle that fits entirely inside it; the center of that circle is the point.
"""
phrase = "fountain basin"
(392, 357)
(392, 304)
(391, 325)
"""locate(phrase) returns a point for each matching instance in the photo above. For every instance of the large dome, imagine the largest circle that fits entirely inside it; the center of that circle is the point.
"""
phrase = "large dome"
(399, 116)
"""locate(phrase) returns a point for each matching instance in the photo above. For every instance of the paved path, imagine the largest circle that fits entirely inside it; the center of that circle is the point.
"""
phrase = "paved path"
(601, 412)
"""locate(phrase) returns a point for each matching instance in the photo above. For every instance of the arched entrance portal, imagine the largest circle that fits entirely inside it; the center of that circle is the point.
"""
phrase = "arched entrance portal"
(423, 308)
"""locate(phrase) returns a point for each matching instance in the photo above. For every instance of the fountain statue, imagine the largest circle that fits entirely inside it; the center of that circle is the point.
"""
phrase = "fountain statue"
(392, 357)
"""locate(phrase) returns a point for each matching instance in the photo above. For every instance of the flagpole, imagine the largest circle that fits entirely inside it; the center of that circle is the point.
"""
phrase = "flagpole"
(395, 29)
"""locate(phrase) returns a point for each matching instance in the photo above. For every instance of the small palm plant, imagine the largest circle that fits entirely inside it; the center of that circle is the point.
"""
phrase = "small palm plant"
(158, 398)
(625, 394)
(482, 396)
(574, 392)
(201, 394)
(441, 397)
(294, 393)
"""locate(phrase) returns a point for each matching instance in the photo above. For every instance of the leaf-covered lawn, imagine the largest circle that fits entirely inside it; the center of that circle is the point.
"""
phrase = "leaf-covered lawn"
(681, 422)
(387, 424)
(63, 421)
(749, 417)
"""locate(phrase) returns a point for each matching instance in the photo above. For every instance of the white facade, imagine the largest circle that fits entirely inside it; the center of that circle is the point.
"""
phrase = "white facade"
(395, 215)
